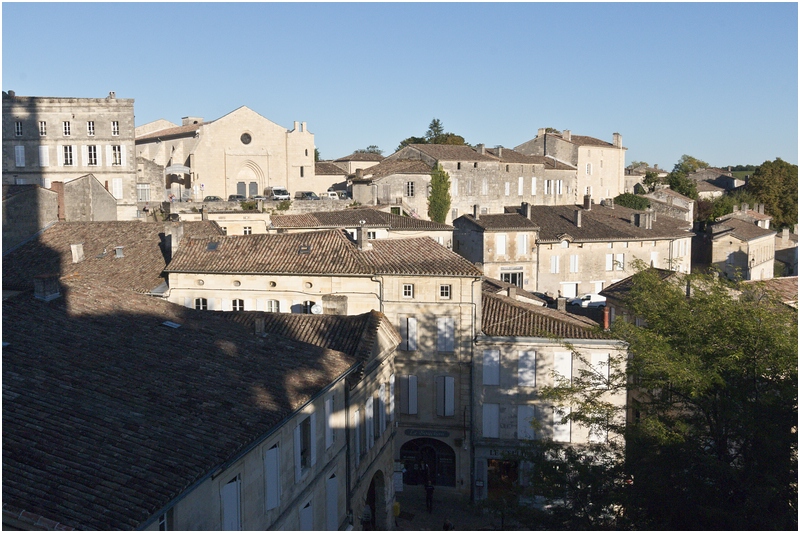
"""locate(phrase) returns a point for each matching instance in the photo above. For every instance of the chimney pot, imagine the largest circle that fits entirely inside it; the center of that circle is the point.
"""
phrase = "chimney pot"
(541, 132)
(587, 202)
(617, 140)
(476, 211)
(578, 218)
(46, 287)
(512, 292)
(260, 325)
(118, 252)
(561, 303)
(567, 135)
(77, 252)
(482, 149)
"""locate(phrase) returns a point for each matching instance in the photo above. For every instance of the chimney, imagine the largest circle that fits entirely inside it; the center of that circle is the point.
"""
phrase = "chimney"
(578, 218)
(655, 166)
(512, 292)
(587, 202)
(58, 187)
(541, 132)
(567, 135)
(794, 229)
(499, 152)
(361, 237)
(46, 287)
(334, 304)
(476, 212)
(260, 325)
(303, 127)
(735, 208)
(481, 149)
(606, 317)
(173, 233)
(785, 233)
(761, 208)
(359, 173)
(745, 207)
(617, 140)
(77, 252)
(118, 252)
(561, 304)
(610, 203)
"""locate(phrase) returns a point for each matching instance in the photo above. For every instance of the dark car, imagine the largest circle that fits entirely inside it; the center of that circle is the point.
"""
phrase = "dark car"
(237, 198)
(212, 199)
(306, 195)
(549, 300)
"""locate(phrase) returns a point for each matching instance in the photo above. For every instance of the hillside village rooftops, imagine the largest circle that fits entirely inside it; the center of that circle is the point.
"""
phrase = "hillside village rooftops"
(495, 286)
(318, 253)
(452, 152)
(139, 269)
(388, 167)
(109, 415)
(502, 222)
(505, 317)
(599, 224)
(327, 168)
(507, 155)
(372, 218)
(741, 229)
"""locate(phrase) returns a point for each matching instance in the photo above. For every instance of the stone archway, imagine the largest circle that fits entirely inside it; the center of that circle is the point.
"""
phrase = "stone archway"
(427, 458)
(376, 499)
(250, 179)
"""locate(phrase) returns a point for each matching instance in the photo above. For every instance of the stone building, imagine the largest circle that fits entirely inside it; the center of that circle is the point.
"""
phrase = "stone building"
(742, 245)
(786, 250)
(517, 349)
(427, 292)
(600, 164)
(491, 177)
(667, 202)
(239, 153)
(358, 160)
(48, 140)
(27, 209)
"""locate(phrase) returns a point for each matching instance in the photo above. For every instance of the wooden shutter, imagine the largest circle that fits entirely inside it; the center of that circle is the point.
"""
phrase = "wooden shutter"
(298, 447)
(561, 432)
(609, 262)
(445, 341)
(500, 242)
(124, 155)
(313, 439)
(600, 364)
(307, 517)
(19, 156)
(391, 398)
(382, 411)
(230, 505)
(411, 332)
(332, 503)
(369, 429)
(328, 422)
(445, 396)
(44, 156)
(562, 364)
(491, 424)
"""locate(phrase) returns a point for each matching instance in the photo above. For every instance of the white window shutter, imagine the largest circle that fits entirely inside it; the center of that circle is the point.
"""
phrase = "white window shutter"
(527, 369)
(298, 461)
(449, 396)
(357, 434)
(391, 397)
(272, 469)
(491, 424)
(60, 155)
(369, 429)
(445, 340)
(307, 517)
(19, 156)
(609, 262)
(620, 262)
(554, 264)
(600, 364)
(116, 188)
(328, 422)
(563, 364)
(187, 302)
(109, 155)
(44, 156)
(412, 395)
(230, 505)
(561, 432)
(124, 155)
(313, 443)
(525, 415)
(332, 503)
(382, 410)
(85, 154)
(412, 334)
(501, 244)
(491, 367)
(533, 186)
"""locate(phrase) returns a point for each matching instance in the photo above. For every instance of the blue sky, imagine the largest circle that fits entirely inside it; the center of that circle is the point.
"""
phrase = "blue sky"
(717, 81)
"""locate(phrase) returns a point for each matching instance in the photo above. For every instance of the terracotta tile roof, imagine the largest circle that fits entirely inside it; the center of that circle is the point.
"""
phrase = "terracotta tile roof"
(495, 286)
(512, 156)
(502, 222)
(108, 415)
(327, 168)
(705, 186)
(139, 270)
(505, 317)
(621, 288)
(352, 218)
(600, 223)
(361, 156)
(742, 229)
(785, 288)
(318, 252)
(171, 132)
(388, 167)
(451, 152)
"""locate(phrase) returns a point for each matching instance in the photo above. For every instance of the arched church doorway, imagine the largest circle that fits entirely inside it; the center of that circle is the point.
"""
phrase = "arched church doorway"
(425, 459)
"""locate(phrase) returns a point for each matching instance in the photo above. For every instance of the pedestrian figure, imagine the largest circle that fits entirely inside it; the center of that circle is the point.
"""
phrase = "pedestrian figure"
(396, 512)
(429, 495)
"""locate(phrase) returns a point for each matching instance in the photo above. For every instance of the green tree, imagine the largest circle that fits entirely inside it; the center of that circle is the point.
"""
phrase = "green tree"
(434, 130)
(633, 201)
(712, 387)
(650, 180)
(371, 149)
(552, 130)
(411, 140)
(439, 199)
(774, 184)
(678, 179)
(434, 135)
(316, 154)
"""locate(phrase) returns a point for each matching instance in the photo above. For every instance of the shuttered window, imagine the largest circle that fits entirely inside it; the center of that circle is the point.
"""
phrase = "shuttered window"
(491, 420)
(563, 365)
(231, 510)
(19, 156)
(408, 395)
(445, 396)
(525, 416)
(527, 369)
(44, 156)
(561, 430)
(500, 242)
(445, 340)
(272, 477)
(491, 367)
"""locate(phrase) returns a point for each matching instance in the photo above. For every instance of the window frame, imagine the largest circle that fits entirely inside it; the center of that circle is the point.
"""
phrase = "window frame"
(237, 304)
(115, 128)
(90, 128)
(42, 128)
(66, 128)
(408, 290)
(445, 292)
(201, 304)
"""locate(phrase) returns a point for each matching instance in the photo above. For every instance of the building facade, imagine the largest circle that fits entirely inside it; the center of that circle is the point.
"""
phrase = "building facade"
(600, 165)
(240, 153)
(48, 140)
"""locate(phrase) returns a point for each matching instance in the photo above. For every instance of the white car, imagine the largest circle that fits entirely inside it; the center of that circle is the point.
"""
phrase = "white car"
(589, 300)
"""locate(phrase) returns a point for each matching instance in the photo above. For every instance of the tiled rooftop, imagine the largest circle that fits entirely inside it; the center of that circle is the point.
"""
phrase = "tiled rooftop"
(352, 217)
(108, 415)
(139, 270)
(450, 152)
(600, 223)
(387, 167)
(328, 169)
(320, 252)
(742, 229)
(170, 132)
(505, 317)
(503, 222)
(361, 156)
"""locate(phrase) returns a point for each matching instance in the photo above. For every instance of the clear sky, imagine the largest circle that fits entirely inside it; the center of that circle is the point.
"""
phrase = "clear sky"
(717, 81)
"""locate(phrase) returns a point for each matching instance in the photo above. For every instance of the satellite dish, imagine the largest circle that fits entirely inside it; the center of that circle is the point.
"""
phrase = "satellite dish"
(316, 309)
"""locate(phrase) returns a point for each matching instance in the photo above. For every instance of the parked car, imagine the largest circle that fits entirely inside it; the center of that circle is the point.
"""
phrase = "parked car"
(305, 195)
(547, 299)
(343, 195)
(276, 193)
(258, 197)
(237, 198)
(212, 199)
(589, 300)
(330, 195)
